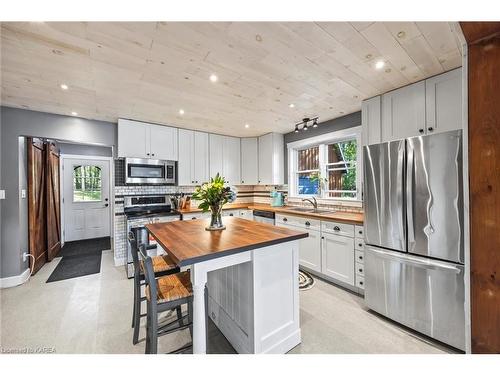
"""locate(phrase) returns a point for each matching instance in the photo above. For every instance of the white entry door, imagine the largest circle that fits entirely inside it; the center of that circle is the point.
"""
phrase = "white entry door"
(86, 199)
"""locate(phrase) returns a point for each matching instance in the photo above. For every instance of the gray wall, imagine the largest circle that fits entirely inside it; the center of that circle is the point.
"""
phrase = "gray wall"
(340, 123)
(87, 150)
(16, 123)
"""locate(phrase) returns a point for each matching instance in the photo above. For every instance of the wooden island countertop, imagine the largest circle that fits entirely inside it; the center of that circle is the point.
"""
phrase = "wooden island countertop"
(187, 242)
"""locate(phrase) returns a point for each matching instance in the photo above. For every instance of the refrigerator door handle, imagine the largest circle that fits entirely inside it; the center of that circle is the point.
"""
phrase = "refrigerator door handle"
(414, 261)
(409, 196)
(399, 192)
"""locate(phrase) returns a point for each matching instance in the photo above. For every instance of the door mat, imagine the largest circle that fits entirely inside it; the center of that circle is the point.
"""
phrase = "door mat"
(80, 258)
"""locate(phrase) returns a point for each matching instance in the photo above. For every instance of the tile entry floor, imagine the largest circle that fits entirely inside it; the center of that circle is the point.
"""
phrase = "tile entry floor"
(92, 314)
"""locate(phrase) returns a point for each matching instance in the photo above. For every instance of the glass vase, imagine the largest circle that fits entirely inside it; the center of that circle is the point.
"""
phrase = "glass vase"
(216, 219)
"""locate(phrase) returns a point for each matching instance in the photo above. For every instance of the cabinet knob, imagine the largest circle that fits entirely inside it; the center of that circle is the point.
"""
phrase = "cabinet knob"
(193, 218)
(336, 228)
(420, 131)
(152, 154)
(360, 283)
(360, 257)
(192, 182)
(360, 232)
(322, 237)
(285, 219)
(430, 129)
(259, 181)
(360, 269)
(308, 223)
(360, 244)
(147, 154)
(231, 214)
(242, 181)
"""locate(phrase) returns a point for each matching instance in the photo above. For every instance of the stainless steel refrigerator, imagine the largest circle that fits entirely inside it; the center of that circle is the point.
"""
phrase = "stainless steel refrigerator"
(414, 252)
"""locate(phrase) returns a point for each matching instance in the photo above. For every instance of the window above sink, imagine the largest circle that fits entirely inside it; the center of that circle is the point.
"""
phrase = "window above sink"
(327, 166)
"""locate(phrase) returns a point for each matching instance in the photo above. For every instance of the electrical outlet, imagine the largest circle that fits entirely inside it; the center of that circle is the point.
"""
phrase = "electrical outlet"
(25, 256)
(23, 193)
(2, 194)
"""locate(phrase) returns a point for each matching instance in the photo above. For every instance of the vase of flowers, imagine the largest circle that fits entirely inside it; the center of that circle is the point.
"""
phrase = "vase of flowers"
(213, 196)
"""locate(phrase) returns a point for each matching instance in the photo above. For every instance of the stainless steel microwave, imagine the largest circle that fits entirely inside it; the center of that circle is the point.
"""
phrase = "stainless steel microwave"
(149, 171)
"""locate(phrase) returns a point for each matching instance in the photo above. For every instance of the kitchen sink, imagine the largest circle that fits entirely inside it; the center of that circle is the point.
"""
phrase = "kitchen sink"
(310, 210)
(301, 209)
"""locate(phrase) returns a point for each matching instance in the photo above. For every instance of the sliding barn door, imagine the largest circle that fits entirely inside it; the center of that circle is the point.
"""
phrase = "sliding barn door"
(37, 203)
(53, 202)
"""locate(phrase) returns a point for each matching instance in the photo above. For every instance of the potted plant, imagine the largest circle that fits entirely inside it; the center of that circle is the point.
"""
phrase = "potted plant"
(213, 195)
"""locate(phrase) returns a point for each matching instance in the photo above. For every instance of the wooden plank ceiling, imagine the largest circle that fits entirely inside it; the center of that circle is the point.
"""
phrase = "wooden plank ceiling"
(148, 71)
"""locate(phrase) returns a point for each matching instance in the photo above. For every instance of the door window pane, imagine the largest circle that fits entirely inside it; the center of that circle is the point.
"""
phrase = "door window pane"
(87, 183)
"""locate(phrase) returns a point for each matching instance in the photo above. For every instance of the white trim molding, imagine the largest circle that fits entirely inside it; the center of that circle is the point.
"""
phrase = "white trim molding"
(9, 282)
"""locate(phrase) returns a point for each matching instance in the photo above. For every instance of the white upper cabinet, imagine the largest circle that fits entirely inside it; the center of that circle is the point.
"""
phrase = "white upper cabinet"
(216, 154)
(231, 160)
(225, 157)
(425, 107)
(163, 141)
(142, 140)
(403, 112)
(185, 165)
(249, 161)
(192, 167)
(371, 121)
(271, 155)
(443, 94)
(200, 157)
(133, 139)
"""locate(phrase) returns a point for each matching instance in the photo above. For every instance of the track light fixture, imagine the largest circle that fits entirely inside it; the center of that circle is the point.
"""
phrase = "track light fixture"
(304, 125)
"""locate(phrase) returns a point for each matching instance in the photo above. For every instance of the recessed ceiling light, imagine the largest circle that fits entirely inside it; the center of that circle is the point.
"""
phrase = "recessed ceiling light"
(401, 34)
(64, 86)
(181, 111)
(74, 113)
(291, 105)
(213, 78)
(379, 64)
(247, 126)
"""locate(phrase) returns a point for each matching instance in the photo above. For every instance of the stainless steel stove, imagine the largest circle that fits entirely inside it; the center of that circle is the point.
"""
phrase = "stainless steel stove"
(141, 210)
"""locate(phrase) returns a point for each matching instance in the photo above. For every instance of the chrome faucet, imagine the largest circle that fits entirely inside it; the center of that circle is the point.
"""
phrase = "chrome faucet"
(314, 202)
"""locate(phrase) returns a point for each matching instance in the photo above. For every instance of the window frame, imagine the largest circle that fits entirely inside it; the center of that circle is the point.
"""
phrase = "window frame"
(323, 141)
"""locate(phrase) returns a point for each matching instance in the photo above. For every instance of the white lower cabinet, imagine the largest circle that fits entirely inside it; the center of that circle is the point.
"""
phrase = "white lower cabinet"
(310, 251)
(246, 214)
(196, 215)
(330, 249)
(337, 257)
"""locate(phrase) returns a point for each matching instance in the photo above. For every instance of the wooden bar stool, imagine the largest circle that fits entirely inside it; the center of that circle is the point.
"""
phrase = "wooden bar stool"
(163, 294)
(162, 265)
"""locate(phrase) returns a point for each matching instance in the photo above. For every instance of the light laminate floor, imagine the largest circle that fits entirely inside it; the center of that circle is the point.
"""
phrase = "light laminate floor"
(92, 314)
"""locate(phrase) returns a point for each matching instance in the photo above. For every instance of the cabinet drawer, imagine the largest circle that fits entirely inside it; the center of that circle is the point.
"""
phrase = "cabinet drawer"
(337, 228)
(298, 221)
(360, 256)
(359, 244)
(360, 269)
(359, 231)
(360, 282)
(197, 215)
(234, 213)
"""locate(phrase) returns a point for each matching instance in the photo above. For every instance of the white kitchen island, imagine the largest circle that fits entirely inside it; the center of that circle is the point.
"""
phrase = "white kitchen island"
(250, 270)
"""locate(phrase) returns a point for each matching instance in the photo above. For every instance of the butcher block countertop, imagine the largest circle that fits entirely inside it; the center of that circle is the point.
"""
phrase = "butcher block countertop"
(187, 242)
(341, 217)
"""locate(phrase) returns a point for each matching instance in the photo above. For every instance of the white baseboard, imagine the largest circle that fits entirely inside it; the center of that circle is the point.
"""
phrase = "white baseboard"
(9, 282)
